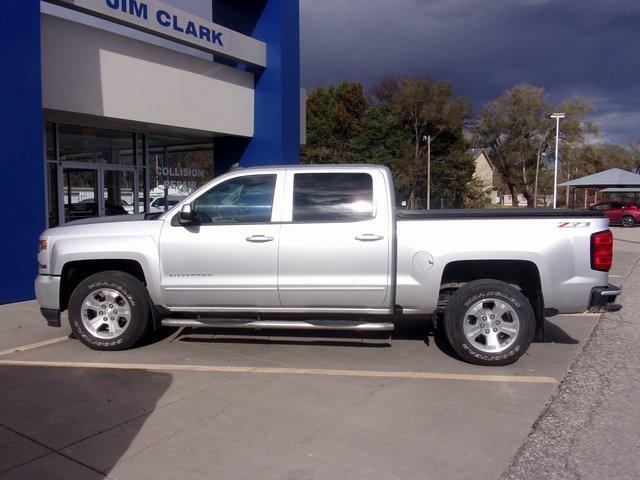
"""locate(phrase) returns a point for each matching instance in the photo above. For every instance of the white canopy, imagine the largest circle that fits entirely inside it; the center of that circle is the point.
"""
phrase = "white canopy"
(615, 177)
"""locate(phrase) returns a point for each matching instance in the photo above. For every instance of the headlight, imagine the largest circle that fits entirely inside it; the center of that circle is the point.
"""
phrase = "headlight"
(44, 243)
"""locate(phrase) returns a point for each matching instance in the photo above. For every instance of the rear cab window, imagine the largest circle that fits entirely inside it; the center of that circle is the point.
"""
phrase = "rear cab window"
(332, 197)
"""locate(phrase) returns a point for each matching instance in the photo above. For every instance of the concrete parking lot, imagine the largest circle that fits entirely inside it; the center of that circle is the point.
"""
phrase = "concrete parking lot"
(228, 406)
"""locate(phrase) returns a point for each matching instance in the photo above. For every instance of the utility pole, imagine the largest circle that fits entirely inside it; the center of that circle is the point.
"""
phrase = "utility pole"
(535, 188)
(428, 172)
(557, 116)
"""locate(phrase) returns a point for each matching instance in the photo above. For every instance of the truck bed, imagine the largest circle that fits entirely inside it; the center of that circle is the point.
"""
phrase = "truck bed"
(494, 213)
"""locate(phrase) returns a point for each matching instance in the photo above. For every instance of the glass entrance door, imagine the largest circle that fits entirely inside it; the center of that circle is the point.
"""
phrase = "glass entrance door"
(120, 186)
(80, 187)
(98, 190)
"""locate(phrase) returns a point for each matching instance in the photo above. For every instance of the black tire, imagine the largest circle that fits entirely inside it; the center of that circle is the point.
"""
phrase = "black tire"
(131, 290)
(628, 221)
(469, 295)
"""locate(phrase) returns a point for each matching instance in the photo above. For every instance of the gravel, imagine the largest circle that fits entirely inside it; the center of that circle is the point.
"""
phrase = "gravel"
(591, 427)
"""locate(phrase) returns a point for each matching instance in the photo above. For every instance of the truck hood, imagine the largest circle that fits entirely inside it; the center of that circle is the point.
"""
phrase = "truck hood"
(103, 227)
(119, 237)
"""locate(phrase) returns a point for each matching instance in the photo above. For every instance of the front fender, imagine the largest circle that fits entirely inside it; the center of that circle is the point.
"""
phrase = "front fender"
(141, 249)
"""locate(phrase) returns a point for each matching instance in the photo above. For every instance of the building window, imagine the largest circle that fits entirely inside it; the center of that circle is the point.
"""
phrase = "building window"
(177, 169)
(93, 145)
(135, 172)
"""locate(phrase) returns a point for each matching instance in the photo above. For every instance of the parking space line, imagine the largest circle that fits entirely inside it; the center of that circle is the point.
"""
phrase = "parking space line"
(288, 371)
(33, 345)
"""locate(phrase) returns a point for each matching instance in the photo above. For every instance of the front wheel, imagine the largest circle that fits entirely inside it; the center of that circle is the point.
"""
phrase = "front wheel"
(109, 311)
(628, 221)
(488, 322)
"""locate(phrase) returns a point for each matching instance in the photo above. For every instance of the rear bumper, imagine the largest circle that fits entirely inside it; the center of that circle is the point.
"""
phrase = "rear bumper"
(603, 298)
(48, 294)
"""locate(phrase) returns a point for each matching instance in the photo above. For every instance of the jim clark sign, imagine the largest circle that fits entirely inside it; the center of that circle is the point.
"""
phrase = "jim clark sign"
(158, 18)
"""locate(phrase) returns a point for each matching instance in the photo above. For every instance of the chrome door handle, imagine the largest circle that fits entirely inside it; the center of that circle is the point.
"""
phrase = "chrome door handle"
(259, 239)
(369, 237)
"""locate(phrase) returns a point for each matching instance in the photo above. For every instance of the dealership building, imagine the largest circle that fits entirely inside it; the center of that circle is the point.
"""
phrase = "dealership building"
(124, 106)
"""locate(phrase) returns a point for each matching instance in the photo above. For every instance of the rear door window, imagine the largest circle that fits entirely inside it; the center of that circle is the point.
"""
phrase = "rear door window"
(332, 197)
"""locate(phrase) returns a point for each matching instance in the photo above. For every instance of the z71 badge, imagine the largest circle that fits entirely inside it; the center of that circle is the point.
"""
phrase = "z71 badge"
(574, 224)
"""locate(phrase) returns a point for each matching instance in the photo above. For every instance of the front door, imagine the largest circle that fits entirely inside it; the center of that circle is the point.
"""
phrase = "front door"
(80, 193)
(119, 187)
(335, 251)
(97, 190)
(229, 256)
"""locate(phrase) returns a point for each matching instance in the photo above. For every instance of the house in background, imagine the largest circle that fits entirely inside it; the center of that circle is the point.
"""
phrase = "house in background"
(486, 173)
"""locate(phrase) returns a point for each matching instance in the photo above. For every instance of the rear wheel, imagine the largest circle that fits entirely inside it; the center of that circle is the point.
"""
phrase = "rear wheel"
(628, 221)
(488, 322)
(109, 311)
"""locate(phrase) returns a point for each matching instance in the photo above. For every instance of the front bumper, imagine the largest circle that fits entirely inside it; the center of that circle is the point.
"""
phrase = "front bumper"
(603, 299)
(48, 294)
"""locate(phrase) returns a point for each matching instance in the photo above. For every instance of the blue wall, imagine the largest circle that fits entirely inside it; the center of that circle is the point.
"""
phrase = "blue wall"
(276, 138)
(22, 192)
(22, 202)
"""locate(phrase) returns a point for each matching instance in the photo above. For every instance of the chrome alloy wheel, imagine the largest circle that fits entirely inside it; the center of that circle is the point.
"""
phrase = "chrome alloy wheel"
(491, 325)
(105, 313)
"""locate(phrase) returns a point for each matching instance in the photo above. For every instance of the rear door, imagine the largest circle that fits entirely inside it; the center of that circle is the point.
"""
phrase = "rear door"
(615, 211)
(336, 243)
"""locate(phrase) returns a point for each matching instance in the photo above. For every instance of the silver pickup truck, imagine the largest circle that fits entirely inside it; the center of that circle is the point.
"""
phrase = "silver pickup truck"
(323, 247)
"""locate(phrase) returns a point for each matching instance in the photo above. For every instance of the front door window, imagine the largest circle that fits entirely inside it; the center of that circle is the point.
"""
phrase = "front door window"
(239, 200)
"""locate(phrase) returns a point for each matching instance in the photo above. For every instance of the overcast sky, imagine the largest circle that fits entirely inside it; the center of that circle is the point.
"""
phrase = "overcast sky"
(586, 47)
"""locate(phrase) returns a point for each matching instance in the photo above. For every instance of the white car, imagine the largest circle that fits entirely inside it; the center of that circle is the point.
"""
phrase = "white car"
(162, 204)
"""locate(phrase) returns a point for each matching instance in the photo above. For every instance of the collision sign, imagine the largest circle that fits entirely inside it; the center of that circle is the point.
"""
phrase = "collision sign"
(160, 19)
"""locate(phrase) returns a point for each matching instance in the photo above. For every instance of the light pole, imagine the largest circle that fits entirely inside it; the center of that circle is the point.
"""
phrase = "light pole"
(557, 116)
(428, 172)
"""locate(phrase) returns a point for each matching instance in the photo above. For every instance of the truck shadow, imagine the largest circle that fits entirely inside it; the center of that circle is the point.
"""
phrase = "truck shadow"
(417, 329)
(553, 334)
(293, 337)
(89, 416)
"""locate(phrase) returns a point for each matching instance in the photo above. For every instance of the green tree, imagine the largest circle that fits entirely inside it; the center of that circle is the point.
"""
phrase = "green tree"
(634, 148)
(427, 107)
(574, 131)
(596, 157)
(390, 129)
(517, 131)
(514, 130)
(334, 119)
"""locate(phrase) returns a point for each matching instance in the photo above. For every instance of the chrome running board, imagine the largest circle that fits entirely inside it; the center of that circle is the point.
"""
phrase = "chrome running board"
(278, 324)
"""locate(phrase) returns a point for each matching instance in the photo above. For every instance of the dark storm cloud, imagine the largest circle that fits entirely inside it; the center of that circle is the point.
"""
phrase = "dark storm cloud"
(584, 47)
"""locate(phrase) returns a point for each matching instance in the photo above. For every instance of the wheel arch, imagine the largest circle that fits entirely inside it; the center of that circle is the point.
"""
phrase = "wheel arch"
(523, 274)
(76, 271)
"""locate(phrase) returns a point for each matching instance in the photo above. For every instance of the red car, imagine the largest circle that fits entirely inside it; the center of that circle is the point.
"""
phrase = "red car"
(625, 213)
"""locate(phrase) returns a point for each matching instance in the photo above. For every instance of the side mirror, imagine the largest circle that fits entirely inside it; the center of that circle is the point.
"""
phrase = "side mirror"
(186, 215)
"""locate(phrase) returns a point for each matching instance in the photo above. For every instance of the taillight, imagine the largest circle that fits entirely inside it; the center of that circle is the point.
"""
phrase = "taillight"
(602, 251)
